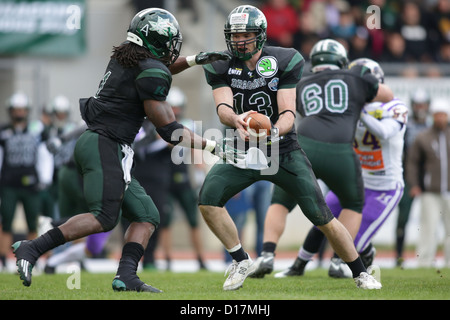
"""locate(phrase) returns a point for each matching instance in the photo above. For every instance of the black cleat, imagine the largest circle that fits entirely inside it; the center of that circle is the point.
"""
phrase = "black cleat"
(24, 267)
(119, 285)
(297, 269)
(368, 258)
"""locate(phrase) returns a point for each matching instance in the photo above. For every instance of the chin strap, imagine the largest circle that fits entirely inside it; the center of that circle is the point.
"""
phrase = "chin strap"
(134, 38)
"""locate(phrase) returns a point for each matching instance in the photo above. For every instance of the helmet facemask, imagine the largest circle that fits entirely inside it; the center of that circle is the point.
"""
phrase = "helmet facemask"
(245, 19)
(167, 52)
(239, 48)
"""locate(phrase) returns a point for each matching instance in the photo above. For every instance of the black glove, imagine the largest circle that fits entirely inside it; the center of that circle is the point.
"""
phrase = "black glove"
(208, 57)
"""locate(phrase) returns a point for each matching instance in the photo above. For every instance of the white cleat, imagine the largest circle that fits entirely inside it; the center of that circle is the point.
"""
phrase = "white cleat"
(366, 281)
(238, 271)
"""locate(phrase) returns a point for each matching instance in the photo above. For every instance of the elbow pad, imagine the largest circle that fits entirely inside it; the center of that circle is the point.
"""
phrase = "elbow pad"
(166, 132)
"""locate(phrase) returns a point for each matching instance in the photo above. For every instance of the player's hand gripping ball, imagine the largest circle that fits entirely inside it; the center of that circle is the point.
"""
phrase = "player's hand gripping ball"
(258, 125)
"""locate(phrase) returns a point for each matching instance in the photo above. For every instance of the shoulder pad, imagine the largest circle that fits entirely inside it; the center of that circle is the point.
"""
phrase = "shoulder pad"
(217, 67)
(288, 58)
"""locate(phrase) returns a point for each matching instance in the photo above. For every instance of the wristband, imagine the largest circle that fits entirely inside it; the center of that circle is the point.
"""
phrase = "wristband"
(222, 104)
(191, 60)
(210, 145)
(295, 116)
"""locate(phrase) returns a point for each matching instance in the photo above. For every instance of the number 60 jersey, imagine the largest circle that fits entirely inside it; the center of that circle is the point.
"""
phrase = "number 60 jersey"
(333, 99)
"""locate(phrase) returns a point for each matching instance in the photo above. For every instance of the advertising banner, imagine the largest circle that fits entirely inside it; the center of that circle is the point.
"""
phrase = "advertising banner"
(43, 28)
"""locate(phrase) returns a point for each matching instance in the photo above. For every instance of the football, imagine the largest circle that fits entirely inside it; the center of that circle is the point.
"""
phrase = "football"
(258, 125)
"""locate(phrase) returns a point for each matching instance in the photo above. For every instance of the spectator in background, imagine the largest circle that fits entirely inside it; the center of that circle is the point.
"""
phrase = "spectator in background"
(418, 121)
(432, 148)
(440, 15)
(359, 44)
(414, 29)
(346, 28)
(26, 167)
(377, 35)
(182, 189)
(308, 33)
(59, 109)
(395, 48)
(443, 56)
(282, 21)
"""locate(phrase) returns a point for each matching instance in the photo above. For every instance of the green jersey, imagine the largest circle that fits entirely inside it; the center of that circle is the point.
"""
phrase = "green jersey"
(277, 68)
(333, 99)
(117, 109)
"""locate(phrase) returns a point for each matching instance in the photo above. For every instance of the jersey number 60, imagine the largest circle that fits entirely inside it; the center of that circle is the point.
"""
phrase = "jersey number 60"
(335, 98)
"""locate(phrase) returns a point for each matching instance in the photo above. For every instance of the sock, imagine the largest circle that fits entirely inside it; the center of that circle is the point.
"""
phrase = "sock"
(238, 253)
(49, 240)
(357, 267)
(305, 255)
(313, 240)
(269, 247)
(132, 253)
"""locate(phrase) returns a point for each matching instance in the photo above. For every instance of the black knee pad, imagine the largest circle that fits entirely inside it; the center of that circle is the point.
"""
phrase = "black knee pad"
(108, 221)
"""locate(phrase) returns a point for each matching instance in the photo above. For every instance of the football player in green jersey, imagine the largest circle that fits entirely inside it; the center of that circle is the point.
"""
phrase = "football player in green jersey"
(134, 86)
(330, 102)
(263, 79)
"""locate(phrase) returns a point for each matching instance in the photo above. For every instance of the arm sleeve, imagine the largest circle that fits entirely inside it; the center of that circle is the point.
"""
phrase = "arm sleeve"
(382, 129)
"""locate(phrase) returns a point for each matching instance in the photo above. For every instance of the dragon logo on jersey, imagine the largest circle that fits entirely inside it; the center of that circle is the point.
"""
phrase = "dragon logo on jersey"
(163, 26)
(267, 66)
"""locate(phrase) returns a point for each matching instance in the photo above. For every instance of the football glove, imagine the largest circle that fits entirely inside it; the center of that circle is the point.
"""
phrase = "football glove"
(208, 57)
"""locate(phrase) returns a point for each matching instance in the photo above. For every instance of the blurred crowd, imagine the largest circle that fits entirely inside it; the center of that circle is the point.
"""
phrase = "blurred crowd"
(384, 30)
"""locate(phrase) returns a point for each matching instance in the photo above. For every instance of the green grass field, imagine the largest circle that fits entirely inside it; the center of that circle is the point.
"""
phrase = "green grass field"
(398, 284)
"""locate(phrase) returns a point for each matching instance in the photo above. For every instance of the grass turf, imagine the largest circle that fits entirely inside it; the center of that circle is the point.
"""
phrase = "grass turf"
(398, 284)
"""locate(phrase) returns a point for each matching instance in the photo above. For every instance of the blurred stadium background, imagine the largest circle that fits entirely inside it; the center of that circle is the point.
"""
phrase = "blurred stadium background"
(62, 47)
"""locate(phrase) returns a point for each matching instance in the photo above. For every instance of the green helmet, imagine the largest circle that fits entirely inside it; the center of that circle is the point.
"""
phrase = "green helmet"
(158, 31)
(245, 19)
(328, 53)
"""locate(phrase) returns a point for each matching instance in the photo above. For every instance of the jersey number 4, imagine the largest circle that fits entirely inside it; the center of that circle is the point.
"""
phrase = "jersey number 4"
(334, 97)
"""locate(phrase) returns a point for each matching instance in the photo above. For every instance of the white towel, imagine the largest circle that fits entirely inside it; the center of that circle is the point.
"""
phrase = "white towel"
(255, 159)
(127, 163)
